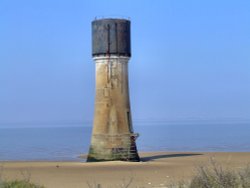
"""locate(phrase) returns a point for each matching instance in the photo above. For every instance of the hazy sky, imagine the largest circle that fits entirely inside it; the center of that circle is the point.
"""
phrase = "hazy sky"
(190, 59)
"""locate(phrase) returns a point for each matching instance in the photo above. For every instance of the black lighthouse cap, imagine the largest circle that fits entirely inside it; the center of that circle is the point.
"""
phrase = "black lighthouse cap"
(111, 37)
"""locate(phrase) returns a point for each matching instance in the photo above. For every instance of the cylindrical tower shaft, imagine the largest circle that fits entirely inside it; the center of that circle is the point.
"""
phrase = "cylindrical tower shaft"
(112, 137)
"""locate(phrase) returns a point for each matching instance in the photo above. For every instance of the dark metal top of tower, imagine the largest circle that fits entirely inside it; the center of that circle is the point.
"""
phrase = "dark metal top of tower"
(111, 37)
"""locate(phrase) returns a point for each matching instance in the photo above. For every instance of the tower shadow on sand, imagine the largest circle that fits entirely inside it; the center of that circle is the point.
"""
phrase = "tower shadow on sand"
(152, 158)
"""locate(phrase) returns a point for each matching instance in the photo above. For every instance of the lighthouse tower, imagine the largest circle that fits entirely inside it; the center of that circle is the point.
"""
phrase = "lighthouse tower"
(113, 137)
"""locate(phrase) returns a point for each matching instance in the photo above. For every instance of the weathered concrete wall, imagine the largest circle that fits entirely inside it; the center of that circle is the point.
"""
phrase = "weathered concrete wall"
(112, 136)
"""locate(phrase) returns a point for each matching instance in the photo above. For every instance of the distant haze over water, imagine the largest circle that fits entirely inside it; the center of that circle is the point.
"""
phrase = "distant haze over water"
(67, 143)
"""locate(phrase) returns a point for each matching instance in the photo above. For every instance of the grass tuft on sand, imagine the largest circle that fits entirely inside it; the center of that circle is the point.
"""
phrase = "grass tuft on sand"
(19, 184)
(215, 176)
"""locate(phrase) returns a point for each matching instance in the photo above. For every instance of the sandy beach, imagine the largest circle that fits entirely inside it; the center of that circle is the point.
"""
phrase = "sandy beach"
(156, 170)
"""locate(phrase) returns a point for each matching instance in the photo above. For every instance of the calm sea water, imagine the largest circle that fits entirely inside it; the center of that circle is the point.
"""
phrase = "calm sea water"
(67, 143)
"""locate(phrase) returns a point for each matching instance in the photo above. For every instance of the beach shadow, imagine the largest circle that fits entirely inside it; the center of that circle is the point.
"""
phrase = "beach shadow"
(152, 158)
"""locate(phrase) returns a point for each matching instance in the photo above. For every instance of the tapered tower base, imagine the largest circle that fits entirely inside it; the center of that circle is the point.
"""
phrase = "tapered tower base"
(113, 148)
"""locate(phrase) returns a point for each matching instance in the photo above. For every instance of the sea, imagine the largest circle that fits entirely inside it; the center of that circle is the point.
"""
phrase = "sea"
(67, 143)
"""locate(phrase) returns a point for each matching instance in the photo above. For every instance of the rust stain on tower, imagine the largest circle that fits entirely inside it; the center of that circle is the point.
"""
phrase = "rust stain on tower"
(113, 137)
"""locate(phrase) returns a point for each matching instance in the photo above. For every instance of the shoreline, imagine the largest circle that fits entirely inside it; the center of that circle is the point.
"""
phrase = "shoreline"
(156, 170)
(142, 155)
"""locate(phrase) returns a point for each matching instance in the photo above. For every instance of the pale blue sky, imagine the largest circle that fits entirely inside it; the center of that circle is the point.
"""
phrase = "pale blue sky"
(190, 59)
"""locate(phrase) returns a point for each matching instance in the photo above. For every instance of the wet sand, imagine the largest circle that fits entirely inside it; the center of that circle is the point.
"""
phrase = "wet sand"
(156, 170)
